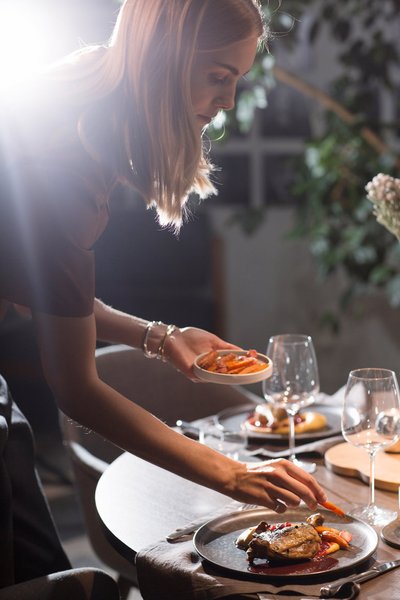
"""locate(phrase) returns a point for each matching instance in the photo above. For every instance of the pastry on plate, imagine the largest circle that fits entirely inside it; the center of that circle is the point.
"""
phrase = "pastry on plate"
(267, 419)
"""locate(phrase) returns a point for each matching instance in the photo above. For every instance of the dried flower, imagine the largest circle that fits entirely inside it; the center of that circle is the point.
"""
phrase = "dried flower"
(384, 193)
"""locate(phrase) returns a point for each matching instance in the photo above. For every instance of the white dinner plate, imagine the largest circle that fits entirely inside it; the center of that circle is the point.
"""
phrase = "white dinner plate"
(238, 379)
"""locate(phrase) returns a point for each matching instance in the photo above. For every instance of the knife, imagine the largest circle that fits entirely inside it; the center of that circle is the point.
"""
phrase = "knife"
(319, 446)
(350, 593)
(330, 590)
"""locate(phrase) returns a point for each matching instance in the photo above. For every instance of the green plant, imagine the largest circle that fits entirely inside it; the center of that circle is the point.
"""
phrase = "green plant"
(334, 214)
(337, 218)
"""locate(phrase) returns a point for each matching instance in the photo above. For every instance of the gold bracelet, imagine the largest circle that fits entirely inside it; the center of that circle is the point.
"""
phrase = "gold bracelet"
(148, 353)
(161, 349)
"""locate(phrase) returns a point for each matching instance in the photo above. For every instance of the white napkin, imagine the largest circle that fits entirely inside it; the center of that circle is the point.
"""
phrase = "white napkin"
(335, 400)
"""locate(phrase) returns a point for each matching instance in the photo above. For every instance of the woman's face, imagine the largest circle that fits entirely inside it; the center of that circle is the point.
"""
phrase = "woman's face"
(215, 75)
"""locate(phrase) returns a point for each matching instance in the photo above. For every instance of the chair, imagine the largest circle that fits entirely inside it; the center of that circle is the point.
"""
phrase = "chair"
(164, 392)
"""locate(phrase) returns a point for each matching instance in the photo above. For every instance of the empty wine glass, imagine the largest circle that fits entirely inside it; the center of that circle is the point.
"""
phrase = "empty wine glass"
(294, 382)
(369, 420)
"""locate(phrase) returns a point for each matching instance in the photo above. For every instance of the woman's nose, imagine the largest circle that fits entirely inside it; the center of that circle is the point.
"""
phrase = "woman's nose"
(226, 101)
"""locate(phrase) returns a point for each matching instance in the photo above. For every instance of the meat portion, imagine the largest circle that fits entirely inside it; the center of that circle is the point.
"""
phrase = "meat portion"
(284, 542)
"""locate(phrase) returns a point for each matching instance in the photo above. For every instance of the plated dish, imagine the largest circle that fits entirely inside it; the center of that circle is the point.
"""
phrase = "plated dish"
(269, 419)
(216, 542)
(233, 367)
(234, 418)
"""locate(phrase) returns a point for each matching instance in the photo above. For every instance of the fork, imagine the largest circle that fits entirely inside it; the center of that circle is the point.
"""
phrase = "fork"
(248, 506)
(319, 446)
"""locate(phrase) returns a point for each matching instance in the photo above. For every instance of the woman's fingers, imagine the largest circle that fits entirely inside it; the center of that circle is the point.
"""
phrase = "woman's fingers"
(282, 481)
(308, 480)
(185, 344)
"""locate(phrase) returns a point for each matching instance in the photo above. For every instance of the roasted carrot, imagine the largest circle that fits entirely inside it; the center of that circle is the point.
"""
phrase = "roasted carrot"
(346, 535)
(330, 536)
(231, 363)
(253, 368)
(332, 547)
(227, 358)
(208, 359)
(239, 364)
(333, 508)
(321, 528)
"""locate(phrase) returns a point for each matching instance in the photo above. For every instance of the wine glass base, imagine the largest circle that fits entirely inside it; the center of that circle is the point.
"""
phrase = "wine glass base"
(306, 466)
(373, 515)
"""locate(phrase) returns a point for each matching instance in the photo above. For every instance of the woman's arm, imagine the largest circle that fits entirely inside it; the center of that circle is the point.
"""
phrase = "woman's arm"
(67, 348)
(180, 348)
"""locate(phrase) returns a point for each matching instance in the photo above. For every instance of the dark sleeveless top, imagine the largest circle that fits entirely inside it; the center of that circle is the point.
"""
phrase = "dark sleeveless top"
(53, 207)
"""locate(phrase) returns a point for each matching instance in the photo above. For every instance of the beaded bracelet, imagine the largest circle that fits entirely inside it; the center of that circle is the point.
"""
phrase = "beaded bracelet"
(161, 348)
(145, 348)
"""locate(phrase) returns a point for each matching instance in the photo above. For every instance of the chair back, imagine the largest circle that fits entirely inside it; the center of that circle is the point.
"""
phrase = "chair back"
(161, 389)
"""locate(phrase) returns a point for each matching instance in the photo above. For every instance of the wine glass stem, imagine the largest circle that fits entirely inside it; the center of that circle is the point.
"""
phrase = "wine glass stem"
(372, 478)
(292, 455)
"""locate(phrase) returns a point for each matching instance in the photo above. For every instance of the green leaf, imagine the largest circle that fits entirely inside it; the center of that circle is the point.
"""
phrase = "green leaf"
(380, 275)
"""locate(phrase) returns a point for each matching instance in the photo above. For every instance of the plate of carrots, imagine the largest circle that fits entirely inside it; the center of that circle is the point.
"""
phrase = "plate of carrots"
(232, 367)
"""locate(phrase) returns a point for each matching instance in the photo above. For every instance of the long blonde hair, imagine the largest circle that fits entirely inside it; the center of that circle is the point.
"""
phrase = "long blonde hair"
(139, 85)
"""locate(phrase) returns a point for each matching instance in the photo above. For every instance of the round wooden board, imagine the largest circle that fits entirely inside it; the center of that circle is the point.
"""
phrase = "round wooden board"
(345, 459)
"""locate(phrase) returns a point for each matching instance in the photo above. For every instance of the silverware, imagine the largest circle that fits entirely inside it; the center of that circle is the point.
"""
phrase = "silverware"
(347, 594)
(317, 446)
(189, 529)
(187, 426)
(330, 590)
(188, 429)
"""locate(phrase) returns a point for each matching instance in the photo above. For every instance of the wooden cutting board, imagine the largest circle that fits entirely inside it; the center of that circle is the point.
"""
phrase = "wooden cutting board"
(345, 459)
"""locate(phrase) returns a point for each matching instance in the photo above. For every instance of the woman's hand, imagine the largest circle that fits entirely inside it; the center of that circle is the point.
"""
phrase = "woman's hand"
(184, 345)
(277, 484)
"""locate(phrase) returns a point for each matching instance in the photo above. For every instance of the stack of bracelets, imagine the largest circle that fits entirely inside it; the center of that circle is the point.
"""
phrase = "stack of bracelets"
(161, 348)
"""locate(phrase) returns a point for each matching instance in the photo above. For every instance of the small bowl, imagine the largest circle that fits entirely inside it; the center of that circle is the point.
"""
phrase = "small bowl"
(236, 379)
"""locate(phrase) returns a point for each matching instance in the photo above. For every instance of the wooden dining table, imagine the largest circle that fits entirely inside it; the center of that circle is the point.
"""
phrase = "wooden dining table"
(139, 504)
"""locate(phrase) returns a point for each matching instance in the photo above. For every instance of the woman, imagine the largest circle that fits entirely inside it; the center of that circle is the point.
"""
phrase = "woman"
(132, 112)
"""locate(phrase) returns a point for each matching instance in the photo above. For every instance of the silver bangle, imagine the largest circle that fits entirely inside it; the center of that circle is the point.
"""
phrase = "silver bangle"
(161, 348)
(148, 353)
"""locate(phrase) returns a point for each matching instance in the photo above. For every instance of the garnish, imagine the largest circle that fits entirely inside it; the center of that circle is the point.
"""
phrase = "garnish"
(333, 508)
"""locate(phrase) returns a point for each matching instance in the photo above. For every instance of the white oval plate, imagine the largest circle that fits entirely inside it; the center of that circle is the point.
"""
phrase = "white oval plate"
(238, 379)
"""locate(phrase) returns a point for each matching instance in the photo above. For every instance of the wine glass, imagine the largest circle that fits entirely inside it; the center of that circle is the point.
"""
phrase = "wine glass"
(369, 420)
(294, 382)
(230, 442)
